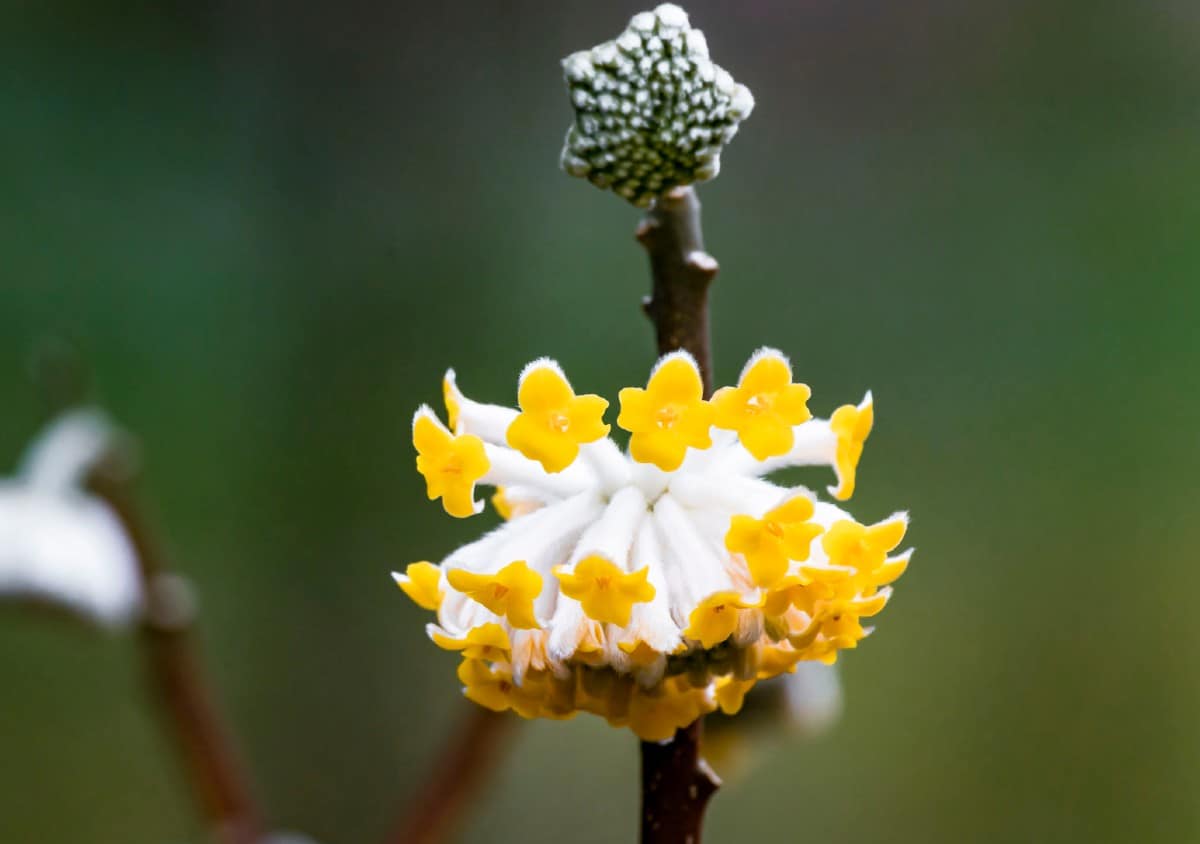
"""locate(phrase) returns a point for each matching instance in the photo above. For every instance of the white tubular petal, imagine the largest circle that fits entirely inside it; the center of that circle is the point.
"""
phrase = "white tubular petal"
(526, 499)
(568, 628)
(825, 514)
(731, 493)
(608, 464)
(547, 540)
(611, 536)
(66, 450)
(458, 613)
(749, 629)
(510, 468)
(702, 572)
(650, 479)
(814, 697)
(489, 422)
(651, 621)
(815, 445)
(528, 652)
(702, 460)
(69, 551)
(616, 658)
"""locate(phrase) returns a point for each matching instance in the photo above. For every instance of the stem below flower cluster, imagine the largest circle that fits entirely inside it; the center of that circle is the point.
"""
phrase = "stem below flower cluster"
(676, 781)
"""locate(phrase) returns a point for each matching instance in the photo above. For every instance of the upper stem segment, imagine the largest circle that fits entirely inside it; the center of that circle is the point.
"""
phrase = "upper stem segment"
(682, 272)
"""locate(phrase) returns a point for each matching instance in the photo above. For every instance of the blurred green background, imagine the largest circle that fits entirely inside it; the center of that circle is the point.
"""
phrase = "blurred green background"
(271, 226)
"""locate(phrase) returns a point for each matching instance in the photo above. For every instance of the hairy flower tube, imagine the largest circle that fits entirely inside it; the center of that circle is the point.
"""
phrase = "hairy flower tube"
(654, 586)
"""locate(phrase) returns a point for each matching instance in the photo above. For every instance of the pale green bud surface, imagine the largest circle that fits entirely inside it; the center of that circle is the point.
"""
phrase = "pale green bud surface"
(652, 111)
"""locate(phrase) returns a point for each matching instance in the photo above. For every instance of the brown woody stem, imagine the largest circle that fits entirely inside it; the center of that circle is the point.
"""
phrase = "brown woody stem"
(462, 770)
(676, 781)
(676, 786)
(682, 272)
(201, 736)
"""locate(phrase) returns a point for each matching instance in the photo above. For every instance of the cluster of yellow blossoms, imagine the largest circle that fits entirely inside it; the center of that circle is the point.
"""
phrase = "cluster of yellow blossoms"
(653, 587)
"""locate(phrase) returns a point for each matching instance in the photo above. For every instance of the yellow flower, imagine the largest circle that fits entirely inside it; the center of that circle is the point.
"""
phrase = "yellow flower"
(715, 618)
(421, 582)
(784, 533)
(509, 592)
(669, 415)
(490, 688)
(731, 693)
(852, 426)
(488, 642)
(606, 593)
(764, 406)
(554, 422)
(863, 548)
(450, 464)
(657, 717)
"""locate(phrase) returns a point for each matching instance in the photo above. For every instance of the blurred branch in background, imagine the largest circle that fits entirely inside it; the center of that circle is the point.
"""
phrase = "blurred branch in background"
(203, 740)
(472, 752)
(85, 446)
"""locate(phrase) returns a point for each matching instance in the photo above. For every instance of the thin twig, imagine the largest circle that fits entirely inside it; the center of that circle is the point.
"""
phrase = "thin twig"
(463, 768)
(205, 743)
(676, 781)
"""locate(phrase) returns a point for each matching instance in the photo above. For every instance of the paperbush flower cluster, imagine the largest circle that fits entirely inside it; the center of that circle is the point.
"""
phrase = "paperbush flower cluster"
(654, 586)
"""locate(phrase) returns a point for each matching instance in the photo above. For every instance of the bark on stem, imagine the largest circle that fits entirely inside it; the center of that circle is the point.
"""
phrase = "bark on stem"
(461, 771)
(682, 272)
(676, 786)
(676, 781)
(204, 742)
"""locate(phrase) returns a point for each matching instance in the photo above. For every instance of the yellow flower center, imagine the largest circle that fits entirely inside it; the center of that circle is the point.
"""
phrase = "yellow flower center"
(759, 404)
(666, 416)
(560, 422)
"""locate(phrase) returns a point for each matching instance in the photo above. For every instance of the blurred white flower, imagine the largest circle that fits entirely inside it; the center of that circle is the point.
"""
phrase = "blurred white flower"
(58, 544)
(812, 697)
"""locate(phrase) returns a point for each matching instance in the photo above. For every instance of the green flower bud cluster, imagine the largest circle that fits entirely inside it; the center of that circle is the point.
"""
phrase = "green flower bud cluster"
(652, 112)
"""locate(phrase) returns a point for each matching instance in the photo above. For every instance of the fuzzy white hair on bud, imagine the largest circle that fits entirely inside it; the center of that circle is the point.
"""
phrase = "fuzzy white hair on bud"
(652, 112)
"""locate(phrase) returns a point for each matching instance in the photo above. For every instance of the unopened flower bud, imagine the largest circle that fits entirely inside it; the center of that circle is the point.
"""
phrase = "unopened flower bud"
(652, 112)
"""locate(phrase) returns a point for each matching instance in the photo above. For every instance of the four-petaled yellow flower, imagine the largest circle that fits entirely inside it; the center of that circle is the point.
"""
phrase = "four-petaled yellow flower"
(764, 406)
(768, 544)
(715, 618)
(554, 421)
(450, 464)
(488, 641)
(861, 547)
(509, 592)
(421, 582)
(490, 688)
(669, 415)
(606, 593)
(852, 426)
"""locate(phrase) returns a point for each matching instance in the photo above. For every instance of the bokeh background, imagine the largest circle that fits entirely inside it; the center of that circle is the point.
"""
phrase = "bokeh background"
(270, 227)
